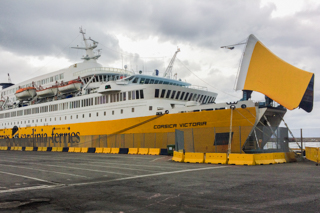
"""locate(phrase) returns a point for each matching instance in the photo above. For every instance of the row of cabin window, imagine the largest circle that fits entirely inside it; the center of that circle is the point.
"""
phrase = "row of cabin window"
(55, 119)
(138, 80)
(103, 78)
(132, 95)
(40, 82)
(186, 96)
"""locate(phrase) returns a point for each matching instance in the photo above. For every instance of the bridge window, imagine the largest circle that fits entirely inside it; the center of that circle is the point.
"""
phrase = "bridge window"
(178, 94)
(141, 94)
(163, 92)
(137, 94)
(156, 94)
(173, 94)
(182, 94)
(186, 96)
(135, 80)
(168, 94)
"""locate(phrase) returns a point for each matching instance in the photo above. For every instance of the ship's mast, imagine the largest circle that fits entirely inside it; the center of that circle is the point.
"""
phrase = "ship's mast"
(90, 54)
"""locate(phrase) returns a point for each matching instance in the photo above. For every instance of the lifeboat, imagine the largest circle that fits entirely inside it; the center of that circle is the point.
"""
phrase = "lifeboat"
(47, 92)
(71, 86)
(25, 93)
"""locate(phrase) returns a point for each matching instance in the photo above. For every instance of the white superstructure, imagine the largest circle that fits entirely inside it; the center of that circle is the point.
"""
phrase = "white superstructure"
(87, 92)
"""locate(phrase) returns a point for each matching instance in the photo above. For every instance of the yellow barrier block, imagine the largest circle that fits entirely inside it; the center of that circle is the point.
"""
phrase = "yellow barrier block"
(216, 158)
(154, 151)
(241, 159)
(84, 149)
(178, 156)
(143, 151)
(191, 157)
(106, 150)
(99, 150)
(291, 157)
(44, 149)
(54, 149)
(279, 157)
(133, 151)
(59, 149)
(2, 148)
(115, 150)
(71, 149)
(29, 148)
(77, 149)
(39, 149)
(19, 148)
(312, 154)
(264, 158)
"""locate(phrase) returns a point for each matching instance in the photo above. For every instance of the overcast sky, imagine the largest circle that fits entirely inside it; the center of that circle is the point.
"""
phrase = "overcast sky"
(36, 36)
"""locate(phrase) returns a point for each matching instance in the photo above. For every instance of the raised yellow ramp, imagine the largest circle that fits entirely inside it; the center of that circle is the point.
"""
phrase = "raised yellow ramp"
(133, 151)
(71, 149)
(54, 149)
(143, 151)
(216, 158)
(178, 156)
(191, 157)
(154, 151)
(241, 159)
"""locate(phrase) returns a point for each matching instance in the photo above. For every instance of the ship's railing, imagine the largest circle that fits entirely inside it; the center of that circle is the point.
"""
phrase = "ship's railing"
(197, 87)
(103, 69)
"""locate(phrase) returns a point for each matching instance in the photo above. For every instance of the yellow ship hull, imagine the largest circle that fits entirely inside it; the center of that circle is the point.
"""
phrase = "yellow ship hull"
(150, 131)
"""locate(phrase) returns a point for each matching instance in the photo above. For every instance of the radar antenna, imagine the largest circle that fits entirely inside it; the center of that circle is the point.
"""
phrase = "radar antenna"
(90, 54)
(168, 72)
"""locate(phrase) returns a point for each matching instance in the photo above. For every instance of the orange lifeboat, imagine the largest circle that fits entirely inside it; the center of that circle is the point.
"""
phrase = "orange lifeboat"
(25, 93)
(47, 92)
(71, 86)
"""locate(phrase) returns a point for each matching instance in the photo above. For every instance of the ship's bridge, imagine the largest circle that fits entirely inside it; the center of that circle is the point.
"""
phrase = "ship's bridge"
(149, 79)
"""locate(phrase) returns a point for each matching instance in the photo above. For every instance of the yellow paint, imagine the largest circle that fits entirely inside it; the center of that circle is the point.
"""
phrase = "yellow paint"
(275, 78)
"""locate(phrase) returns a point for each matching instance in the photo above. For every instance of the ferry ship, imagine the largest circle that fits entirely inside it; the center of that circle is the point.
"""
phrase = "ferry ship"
(88, 105)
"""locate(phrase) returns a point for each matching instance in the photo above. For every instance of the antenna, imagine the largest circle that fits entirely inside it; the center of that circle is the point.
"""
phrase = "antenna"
(9, 79)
